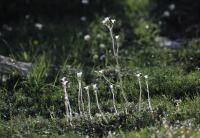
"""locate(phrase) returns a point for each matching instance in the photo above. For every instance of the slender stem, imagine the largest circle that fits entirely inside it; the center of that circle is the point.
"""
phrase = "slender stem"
(89, 108)
(79, 97)
(112, 90)
(98, 105)
(118, 66)
(113, 41)
(66, 103)
(148, 94)
(140, 98)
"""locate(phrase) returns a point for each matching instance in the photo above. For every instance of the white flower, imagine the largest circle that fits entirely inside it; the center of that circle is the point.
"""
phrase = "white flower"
(87, 37)
(172, 7)
(102, 45)
(106, 21)
(83, 18)
(113, 21)
(64, 81)
(101, 71)
(79, 75)
(166, 14)
(85, 1)
(146, 76)
(94, 86)
(111, 86)
(86, 88)
(39, 26)
(147, 26)
(117, 37)
(138, 75)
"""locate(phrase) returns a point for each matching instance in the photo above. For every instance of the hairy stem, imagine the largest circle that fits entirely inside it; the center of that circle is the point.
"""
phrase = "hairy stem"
(148, 94)
(89, 108)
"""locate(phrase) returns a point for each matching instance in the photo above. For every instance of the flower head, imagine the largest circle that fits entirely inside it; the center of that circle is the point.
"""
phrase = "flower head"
(172, 7)
(146, 76)
(79, 75)
(87, 37)
(111, 86)
(117, 37)
(64, 81)
(108, 22)
(86, 87)
(138, 75)
(39, 26)
(101, 71)
(94, 86)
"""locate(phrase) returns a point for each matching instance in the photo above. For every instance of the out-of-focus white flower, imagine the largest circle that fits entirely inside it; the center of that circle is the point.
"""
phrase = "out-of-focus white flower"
(7, 27)
(94, 86)
(87, 37)
(146, 76)
(166, 13)
(83, 18)
(79, 75)
(147, 26)
(27, 16)
(85, 1)
(95, 56)
(98, 35)
(102, 45)
(172, 7)
(39, 26)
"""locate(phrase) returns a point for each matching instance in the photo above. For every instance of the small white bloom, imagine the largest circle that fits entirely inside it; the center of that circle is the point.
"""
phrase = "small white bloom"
(39, 26)
(86, 88)
(95, 56)
(146, 76)
(87, 37)
(79, 74)
(138, 74)
(85, 1)
(172, 7)
(102, 45)
(101, 71)
(63, 79)
(83, 18)
(111, 86)
(147, 26)
(113, 21)
(166, 14)
(106, 20)
(117, 37)
(94, 86)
